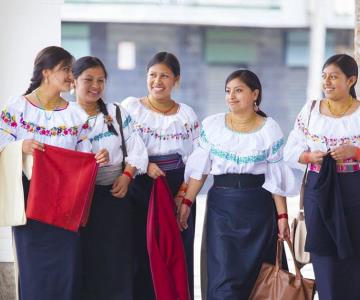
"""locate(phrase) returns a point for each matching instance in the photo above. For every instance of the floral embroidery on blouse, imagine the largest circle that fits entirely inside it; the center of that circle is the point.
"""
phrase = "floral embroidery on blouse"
(8, 119)
(256, 158)
(329, 142)
(127, 121)
(278, 144)
(169, 136)
(100, 136)
(54, 131)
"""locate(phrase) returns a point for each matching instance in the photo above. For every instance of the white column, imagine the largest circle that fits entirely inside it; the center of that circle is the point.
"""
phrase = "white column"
(317, 47)
(26, 26)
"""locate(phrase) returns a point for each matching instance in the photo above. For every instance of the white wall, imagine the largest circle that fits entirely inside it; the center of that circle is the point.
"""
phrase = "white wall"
(26, 26)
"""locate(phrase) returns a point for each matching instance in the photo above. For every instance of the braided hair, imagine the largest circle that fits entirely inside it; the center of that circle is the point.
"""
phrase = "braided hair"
(88, 62)
(48, 58)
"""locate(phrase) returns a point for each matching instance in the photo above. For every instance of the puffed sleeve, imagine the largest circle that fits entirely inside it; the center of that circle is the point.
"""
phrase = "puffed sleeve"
(199, 162)
(8, 126)
(279, 177)
(296, 143)
(137, 155)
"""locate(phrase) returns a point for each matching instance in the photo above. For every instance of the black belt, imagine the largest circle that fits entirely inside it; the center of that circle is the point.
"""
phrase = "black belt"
(239, 180)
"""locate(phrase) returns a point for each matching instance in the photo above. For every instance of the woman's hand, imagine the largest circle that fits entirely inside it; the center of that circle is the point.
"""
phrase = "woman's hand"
(314, 157)
(178, 198)
(284, 229)
(343, 152)
(183, 216)
(120, 186)
(28, 146)
(102, 157)
(154, 171)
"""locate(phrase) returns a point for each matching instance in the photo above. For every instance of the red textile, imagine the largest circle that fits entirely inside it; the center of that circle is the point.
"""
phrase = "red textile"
(165, 246)
(61, 187)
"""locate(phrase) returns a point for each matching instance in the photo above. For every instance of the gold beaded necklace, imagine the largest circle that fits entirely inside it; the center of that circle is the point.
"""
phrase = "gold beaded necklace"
(341, 113)
(164, 112)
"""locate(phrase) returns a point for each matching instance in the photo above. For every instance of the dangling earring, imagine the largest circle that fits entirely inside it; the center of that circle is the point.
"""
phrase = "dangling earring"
(72, 89)
(256, 107)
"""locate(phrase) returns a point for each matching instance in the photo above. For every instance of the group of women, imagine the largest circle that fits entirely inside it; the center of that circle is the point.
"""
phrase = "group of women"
(140, 139)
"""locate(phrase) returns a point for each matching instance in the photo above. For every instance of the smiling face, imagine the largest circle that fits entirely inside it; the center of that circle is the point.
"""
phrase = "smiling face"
(90, 85)
(239, 97)
(160, 82)
(60, 77)
(335, 84)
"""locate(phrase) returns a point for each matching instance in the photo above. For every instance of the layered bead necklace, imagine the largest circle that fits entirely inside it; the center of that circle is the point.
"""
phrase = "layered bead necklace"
(342, 113)
(164, 112)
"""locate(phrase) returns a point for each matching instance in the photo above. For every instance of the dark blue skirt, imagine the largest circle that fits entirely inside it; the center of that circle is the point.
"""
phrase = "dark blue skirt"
(106, 244)
(337, 279)
(241, 234)
(140, 196)
(48, 260)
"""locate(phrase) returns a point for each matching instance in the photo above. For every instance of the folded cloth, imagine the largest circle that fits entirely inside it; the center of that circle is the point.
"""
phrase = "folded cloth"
(61, 187)
(12, 164)
(165, 246)
(327, 230)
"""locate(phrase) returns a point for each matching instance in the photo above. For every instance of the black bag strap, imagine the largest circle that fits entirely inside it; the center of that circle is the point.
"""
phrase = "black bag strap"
(123, 145)
(306, 170)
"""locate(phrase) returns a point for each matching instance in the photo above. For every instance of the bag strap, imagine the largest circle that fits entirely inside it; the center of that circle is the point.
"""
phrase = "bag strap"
(306, 169)
(123, 145)
(278, 262)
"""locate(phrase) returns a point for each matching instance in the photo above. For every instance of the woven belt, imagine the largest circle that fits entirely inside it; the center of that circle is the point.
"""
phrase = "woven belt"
(168, 162)
(340, 167)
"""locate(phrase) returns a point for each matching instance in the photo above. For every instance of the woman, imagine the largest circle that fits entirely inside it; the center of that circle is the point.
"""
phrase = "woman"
(169, 130)
(48, 256)
(243, 150)
(106, 240)
(333, 128)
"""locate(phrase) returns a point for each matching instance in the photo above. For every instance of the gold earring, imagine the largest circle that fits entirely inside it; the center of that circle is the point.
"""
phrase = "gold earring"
(256, 107)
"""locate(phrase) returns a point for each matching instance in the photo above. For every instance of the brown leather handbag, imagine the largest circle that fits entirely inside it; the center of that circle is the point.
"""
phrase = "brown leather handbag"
(274, 283)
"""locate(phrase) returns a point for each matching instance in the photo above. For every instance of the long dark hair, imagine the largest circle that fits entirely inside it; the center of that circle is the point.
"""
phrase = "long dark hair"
(347, 65)
(166, 58)
(48, 58)
(88, 62)
(252, 81)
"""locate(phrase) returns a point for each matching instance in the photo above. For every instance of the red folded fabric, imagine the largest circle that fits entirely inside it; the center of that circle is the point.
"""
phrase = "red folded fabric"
(61, 187)
(165, 246)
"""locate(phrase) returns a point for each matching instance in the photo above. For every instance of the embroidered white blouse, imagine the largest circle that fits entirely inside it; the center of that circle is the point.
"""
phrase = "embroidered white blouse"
(66, 128)
(164, 134)
(323, 133)
(223, 151)
(100, 137)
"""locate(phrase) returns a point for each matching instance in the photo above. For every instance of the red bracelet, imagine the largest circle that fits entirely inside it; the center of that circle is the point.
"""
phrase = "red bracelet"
(357, 154)
(283, 216)
(128, 174)
(187, 202)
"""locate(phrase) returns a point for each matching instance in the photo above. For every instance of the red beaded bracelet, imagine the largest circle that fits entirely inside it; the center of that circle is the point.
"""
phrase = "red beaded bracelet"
(128, 174)
(283, 216)
(187, 202)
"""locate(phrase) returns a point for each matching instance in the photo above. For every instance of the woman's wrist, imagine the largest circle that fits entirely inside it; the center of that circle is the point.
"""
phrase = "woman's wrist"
(128, 174)
(282, 216)
(305, 157)
(186, 202)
